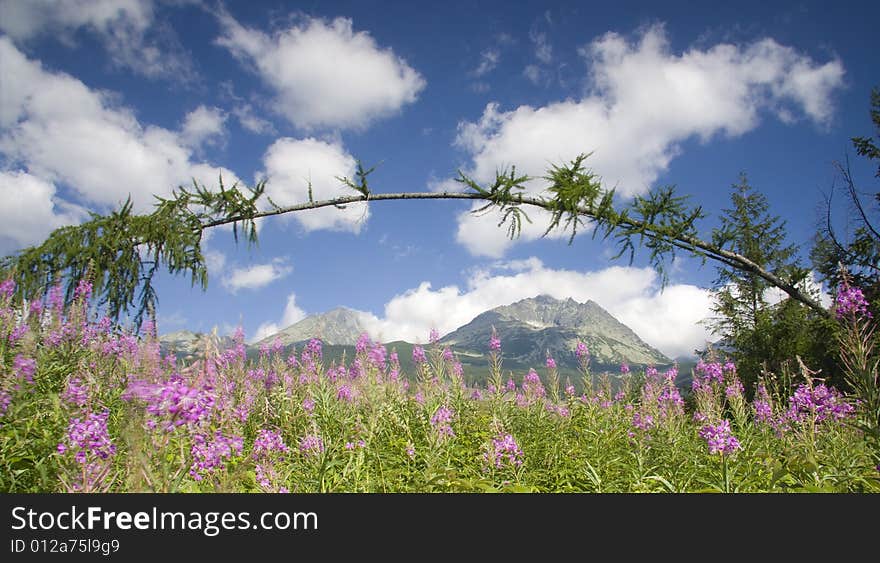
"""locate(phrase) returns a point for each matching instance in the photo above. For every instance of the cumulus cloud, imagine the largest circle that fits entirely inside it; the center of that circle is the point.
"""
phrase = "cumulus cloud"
(292, 314)
(324, 73)
(127, 28)
(203, 126)
(668, 320)
(292, 163)
(257, 276)
(31, 210)
(58, 130)
(644, 101)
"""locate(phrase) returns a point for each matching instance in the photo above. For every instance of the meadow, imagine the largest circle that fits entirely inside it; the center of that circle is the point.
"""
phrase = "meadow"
(87, 407)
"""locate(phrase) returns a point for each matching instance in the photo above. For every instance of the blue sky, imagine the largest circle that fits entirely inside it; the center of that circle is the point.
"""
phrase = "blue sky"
(102, 99)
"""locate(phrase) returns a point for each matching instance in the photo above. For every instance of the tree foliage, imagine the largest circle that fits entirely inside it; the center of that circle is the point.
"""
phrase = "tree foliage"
(858, 250)
(121, 252)
(761, 335)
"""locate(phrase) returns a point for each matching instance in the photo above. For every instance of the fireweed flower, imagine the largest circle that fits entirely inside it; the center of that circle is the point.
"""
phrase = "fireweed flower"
(551, 363)
(761, 405)
(311, 445)
(441, 422)
(419, 356)
(24, 368)
(363, 342)
(447, 354)
(88, 439)
(174, 404)
(820, 401)
(75, 392)
(5, 399)
(209, 456)
(624, 368)
(643, 421)
(503, 452)
(850, 303)
(582, 352)
(308, 405)
(734, 390)
(434, 336)
(344, 393)
(569, 390)
(7, 288)
(268, 443)
(494, 342)
(719, 438)
(376, 357)
(708, 372)
(533, 389)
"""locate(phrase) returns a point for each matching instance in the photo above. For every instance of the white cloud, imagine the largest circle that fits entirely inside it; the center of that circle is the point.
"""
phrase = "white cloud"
(324, 73)
(127, 28)
(203, 126)
(644, 102)
(250, 121)
(31, 210)
(668, 320)
(60, 131)
(488, 61)
(292, 314)
(533, 73)
(292, 163)
(543, 49)
(257, 276)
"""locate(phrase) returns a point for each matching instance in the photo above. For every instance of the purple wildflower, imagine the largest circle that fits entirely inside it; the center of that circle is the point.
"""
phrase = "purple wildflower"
(24, 368)
(376, 356)
(719, 438)
(75, 392)
(267, 443)
(209, 456)
(7, 288)
(344, 393)
(88, 438)
(308, 405)
(551, 363)
(503, 451)
(447, 354)
(624, 368)
(311, 445)
(582, 352)
(850, 303)
(419, 356)
(441, 422)
(761, 405)
(5, 399)
(179, 404)
(494, 342)
(434, 336)
(820, 401)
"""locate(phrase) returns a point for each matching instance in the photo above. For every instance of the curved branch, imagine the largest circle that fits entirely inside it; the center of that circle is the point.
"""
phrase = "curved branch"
(684, 242)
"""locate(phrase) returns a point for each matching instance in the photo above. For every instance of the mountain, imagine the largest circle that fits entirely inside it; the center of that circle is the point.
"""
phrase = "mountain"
(341, 326)
(529, 328)
(187, 345)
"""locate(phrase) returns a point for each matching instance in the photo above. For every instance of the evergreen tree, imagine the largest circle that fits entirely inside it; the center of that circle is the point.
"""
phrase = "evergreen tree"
(762, 335)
